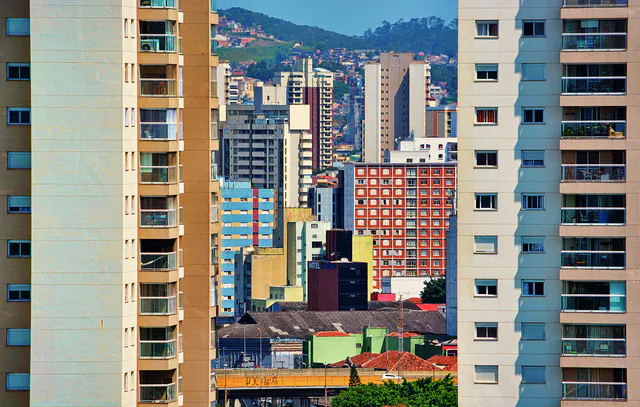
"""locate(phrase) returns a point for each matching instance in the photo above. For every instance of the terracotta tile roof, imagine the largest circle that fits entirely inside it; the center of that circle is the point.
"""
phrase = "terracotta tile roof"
(404, 335)
(357, 360)
(450, 363)
(330, 333)
(392, 360)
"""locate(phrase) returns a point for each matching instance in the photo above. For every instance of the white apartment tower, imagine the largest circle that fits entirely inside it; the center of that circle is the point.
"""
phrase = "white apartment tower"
(547, 203)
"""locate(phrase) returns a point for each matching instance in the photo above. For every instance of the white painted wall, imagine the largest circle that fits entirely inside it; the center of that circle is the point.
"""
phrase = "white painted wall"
(79, 226)
(372, 114)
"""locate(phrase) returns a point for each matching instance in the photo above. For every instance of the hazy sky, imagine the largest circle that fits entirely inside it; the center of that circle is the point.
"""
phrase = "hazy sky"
(347, 16)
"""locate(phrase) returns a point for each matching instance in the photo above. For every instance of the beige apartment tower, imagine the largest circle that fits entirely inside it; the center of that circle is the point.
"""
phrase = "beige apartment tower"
(109, 222)
(396, 94)
(548, 209)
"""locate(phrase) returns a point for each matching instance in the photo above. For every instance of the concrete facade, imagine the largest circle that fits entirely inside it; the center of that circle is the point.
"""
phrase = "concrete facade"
(306, 242)
(547, 203)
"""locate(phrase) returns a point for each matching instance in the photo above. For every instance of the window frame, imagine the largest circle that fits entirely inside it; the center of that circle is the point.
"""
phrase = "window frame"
(534, 285)
(477, 283)
(20, 243)
(533, 242)
(486, 110)
(487, 370)
(486, 328)
(21, 208)
(538, 368)
(19, 110)
(18, 332)
(522, 159)
(8, 22)
(487, 73)
(525, 204)
(487, 152)
(534, 112)
(488, 24)
(20, 67)
(22, 388)
(475, 244)
(535, 23)
(493, 201)
(530, 64)
(21, 288)
(522, 328)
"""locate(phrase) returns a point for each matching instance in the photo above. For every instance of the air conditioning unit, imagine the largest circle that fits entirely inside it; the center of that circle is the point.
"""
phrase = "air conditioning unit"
(150, 45)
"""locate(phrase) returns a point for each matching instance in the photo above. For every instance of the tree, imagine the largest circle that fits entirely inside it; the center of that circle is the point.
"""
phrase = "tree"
(354, 378)
(420, 393)
(434, 292)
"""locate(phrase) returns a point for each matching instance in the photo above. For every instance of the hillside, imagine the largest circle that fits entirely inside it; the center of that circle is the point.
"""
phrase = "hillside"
(430, 35)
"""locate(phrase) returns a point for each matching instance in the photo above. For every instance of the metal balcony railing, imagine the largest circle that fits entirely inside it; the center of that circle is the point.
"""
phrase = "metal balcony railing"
(592, 259)
(594, 41)
(158, 261)
(593, 347)
(593, 302)
(160, 87)
(594, 129)
(158, 174)
(157, 43)
(593, 172)
(157, 218)
(603, 85)
(158, 305)
(594, 391)
(593, 216)
(158, 349)
(157, 393)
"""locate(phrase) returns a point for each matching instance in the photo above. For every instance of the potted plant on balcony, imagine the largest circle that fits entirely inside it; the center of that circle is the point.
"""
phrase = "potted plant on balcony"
(569, 132)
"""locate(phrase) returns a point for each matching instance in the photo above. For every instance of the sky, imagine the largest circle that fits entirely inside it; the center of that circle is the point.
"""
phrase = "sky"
(351, 17)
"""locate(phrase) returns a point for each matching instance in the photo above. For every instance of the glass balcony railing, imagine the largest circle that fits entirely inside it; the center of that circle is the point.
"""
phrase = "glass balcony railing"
(158, 261)
(157, 393)
(158, 349)
(157, 87)
(157, 43)
(158, 3)
(214, 47)
(158, 305)
(592, 259)
(594, 347)
(593, 172)
(157, 174)
(594, 129)
(594, 302)
(596, 3)
(594, 85)
(594, 391)
(155, 218)
(593, 216)
(594, 41)
(158, 131)
(214, 6)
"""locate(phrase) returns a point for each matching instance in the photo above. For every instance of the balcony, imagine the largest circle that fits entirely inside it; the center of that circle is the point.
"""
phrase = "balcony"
(158, 81)
(591, 79)
(158, 261)
(593, 173)
(158, 124)
(157, 174)
(158, 4)
(158, 305)
(157, 36)
(593, 296)
(595, 3)
(594, 340)
(593, 216)
(594, 129)
(158, 393)
(157, 212)
(594, 35)
(158, 349)
(594, 384)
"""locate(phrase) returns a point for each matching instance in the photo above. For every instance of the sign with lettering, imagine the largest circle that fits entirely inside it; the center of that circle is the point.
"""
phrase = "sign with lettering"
(258, 381)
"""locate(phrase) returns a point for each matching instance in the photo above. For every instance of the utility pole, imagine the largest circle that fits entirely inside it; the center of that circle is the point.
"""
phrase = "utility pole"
(226, 392)
(326, 399)
(400, 337)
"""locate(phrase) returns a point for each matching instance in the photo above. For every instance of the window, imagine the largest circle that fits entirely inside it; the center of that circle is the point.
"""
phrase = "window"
(532, 288)
(486, 158)
(19, 292)
(532, 331)
(18, 116)
(533, 28)
(18, 204)
(486, 244)
(486, 330)
(486, 374)
(532, 244)
(18, 72)
(531, 115)
(532, 202)
(486, 201)
(18, 27)
(486, 72)
(486, 115)
(19, 248)
(18, 160)
(533, 374)
(17, 381)
(487, 29)
(18, 337)
(533, 72)
(486, 288)
(532, 158)
(126, 381)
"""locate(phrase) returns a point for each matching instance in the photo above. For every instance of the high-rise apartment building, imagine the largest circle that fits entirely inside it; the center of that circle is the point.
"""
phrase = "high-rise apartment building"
(548, 203)
(311, 86)
(396, 94)
(424, 150)
(442, 121)
(107, 137)
(306, 241)
(406, 208)
(247, 221)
